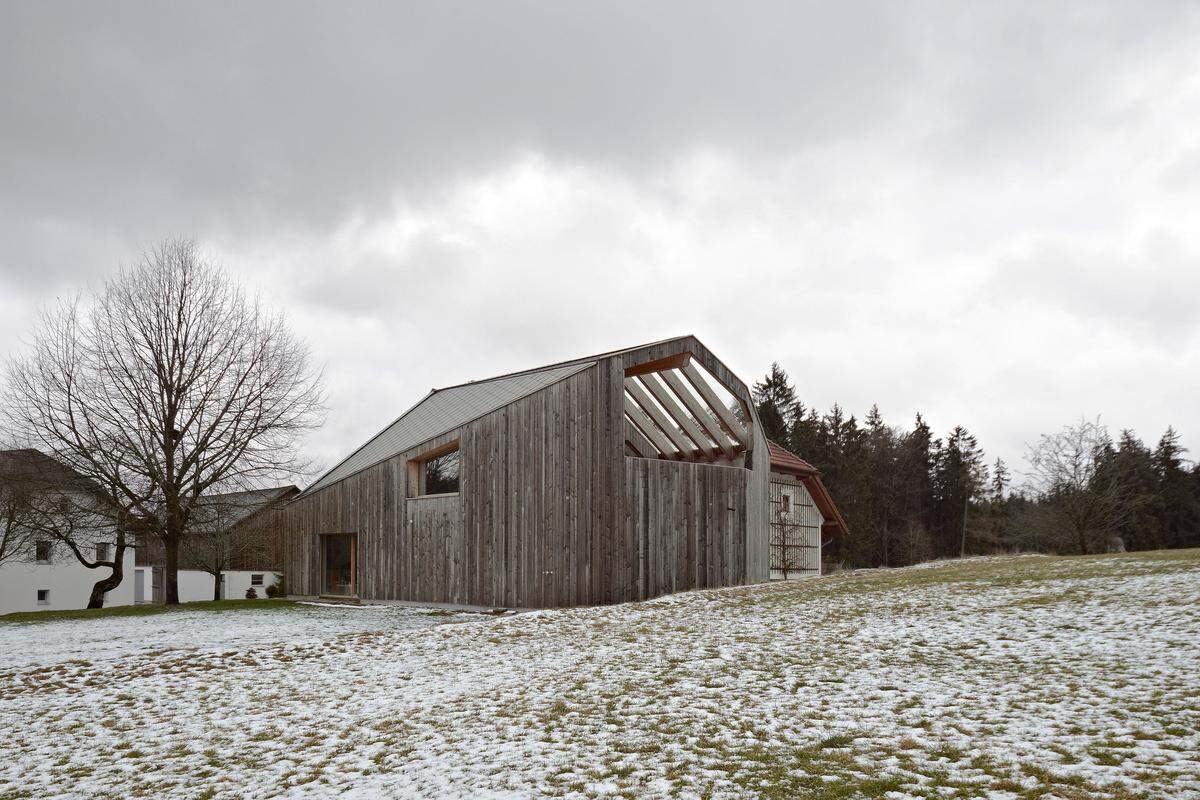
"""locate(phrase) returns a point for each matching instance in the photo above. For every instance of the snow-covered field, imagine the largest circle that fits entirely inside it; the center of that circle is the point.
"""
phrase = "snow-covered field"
(1002, 678)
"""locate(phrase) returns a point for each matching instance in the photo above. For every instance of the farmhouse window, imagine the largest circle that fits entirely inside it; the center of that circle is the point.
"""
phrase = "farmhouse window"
(43, 597)
(439, 473)
(256, 580)
(102, 551)
(43, 552)
(787, 503)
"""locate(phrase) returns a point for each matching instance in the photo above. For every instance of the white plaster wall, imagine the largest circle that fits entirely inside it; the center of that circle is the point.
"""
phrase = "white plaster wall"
(195, 585)
(70, 584)
(804, 512)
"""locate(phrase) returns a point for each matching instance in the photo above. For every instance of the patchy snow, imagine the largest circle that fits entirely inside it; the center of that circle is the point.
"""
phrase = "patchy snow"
(999, 678)
(43, 644)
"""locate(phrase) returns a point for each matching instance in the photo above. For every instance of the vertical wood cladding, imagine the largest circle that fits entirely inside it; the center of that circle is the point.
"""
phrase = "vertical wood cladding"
(550, 511)
(688, 521)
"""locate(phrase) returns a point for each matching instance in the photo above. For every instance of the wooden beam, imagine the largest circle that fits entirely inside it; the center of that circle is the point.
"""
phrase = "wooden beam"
(676, 361)
(735, 428)
(641, 445)
(676, 412)
(699, 411)
(660, 419)
(647, 426)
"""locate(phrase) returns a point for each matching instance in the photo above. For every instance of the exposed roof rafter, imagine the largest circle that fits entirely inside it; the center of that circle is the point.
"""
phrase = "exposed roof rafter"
(728, 421)
(642, 421)
(674, 409)
(699, 411)
(635, 390)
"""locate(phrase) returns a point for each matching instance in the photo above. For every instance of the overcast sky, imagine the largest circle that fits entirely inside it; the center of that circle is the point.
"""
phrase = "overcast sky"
(989, 213)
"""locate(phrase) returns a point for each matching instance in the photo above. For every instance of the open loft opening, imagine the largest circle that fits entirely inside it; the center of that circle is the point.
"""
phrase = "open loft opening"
(675, 409)
(437, 472)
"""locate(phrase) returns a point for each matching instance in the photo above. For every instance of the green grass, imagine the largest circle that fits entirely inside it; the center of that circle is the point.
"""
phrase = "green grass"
(33, 617)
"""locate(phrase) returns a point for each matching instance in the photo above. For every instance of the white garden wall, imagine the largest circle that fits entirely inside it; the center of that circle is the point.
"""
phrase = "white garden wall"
(195, 585)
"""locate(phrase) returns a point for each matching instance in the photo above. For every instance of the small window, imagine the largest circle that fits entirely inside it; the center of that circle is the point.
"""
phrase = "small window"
(439, 475)
(102, 551)
(43, 597)
(256, 580)
(787, 504)
(43, 552)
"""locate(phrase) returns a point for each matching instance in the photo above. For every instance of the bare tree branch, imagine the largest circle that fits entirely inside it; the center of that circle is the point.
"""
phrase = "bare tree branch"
(1082, 505)
(168, 384)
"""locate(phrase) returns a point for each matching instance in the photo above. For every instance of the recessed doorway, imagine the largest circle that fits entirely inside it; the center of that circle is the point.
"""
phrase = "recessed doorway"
(340, 561)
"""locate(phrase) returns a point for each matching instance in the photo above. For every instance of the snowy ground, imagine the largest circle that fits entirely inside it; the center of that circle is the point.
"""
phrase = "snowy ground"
(1000, 678)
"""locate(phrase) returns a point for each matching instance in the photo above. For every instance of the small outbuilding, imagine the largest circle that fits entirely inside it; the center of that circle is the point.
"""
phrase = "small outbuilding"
(232, 546)
(803, 516)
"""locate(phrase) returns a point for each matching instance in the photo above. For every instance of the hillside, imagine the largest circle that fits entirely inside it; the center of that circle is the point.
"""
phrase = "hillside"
(1013, 677)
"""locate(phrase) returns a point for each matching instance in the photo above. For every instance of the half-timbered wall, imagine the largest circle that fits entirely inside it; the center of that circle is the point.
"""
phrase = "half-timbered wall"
(544, 515)
(795, 529)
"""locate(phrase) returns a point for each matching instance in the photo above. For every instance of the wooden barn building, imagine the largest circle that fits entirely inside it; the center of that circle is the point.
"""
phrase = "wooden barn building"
(615, 477)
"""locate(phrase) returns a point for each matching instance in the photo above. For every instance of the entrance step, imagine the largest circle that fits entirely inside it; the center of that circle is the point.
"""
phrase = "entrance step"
(339, 598)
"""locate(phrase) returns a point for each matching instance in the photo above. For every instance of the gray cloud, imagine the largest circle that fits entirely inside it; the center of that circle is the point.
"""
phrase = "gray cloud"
(921, 205)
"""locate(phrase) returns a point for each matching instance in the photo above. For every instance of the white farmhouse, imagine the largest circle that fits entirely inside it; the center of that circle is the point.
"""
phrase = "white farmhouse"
(57, 581)
(39, 571)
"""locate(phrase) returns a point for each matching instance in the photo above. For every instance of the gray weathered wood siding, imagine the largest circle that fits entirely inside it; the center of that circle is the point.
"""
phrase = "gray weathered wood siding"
(758, 522)
(544, 516)
(688, 523)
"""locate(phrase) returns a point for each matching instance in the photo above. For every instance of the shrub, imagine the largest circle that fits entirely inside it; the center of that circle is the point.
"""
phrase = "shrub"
(251, 594)
(277, 589)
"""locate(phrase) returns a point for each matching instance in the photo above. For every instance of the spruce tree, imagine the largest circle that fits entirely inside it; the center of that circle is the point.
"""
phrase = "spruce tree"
(1000, 480)
(918, 451)
(959, 478)
(775, 401)
(1179, 506)
(1130, 466)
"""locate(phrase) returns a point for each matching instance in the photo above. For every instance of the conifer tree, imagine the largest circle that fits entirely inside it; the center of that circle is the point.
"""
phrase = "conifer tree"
(775, 401)
(959, 479)
(1000, 479)
(1130, 466)
(1179, 506)
(907, 496)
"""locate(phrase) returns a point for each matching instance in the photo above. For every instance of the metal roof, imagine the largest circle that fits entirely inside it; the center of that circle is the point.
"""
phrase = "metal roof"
(444, 410)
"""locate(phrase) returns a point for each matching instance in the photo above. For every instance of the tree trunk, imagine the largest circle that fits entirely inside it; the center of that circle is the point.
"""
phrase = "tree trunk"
(962, 542)
(171, 571)
(105, 585)
(217, 586)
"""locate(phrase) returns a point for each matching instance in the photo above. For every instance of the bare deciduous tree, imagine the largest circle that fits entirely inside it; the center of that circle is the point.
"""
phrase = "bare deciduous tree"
(1080, 502)
(219, 536)
(42, 501)
(16, 514)
(167, 384)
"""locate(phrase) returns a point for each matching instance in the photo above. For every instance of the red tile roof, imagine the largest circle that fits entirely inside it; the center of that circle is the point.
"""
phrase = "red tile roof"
(787, 461)
(784, 460)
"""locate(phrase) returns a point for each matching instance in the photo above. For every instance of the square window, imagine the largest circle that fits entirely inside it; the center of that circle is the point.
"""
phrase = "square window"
(439, 475)
(102, 551)
(787, 504)
(43, 597)
(42, 552)
(256, 580)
